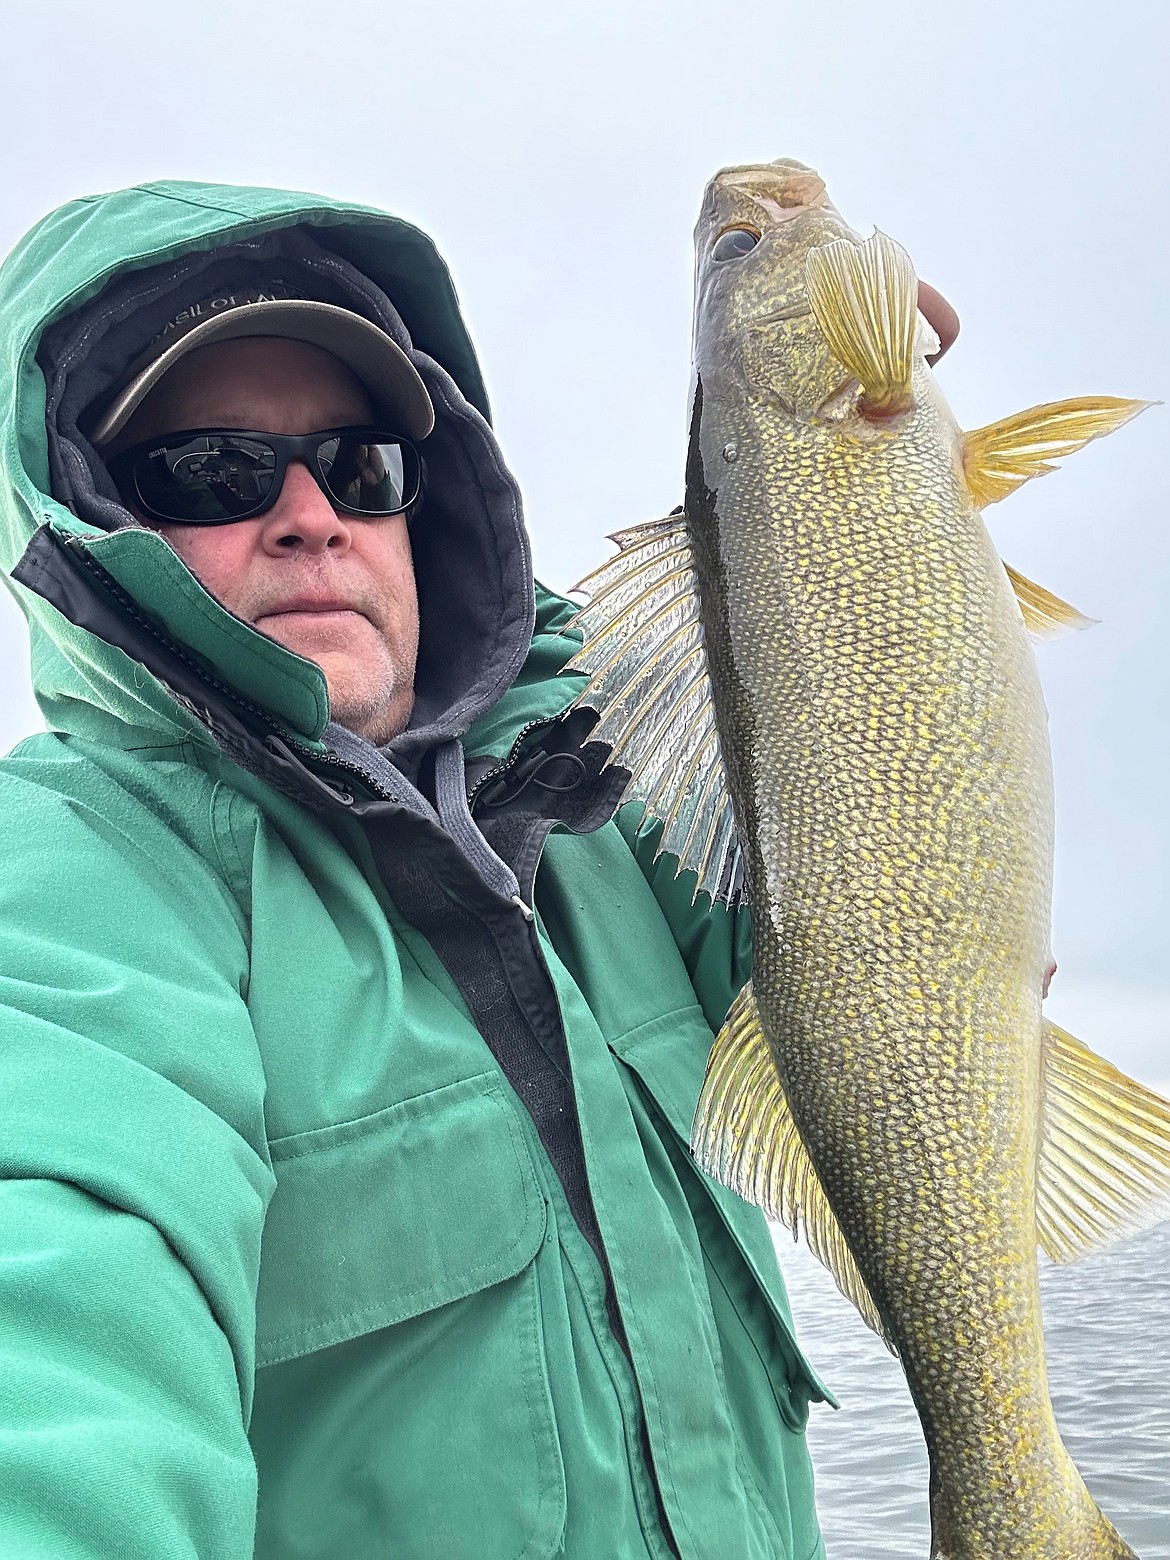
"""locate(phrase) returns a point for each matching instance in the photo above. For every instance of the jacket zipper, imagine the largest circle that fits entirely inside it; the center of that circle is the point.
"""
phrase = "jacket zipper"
(501, 769)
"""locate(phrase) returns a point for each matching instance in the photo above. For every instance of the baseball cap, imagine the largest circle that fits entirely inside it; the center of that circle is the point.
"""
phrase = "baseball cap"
(272, 309)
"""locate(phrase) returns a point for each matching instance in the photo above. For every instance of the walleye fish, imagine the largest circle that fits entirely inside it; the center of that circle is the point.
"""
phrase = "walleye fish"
(820, 677)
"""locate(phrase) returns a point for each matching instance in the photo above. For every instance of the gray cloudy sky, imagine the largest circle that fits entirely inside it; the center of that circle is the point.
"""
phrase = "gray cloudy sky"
(558, 153)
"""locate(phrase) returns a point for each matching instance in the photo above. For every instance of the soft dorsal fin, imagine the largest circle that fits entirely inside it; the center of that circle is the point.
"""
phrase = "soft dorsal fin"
(1045, 615)
(648, 681)
(1006, 454)
(865, 299)
(744, 1136)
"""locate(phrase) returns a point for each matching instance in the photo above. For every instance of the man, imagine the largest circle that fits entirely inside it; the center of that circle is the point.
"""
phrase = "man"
(348, 1043)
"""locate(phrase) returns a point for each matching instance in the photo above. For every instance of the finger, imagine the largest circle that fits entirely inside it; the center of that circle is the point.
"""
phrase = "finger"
(940, 314)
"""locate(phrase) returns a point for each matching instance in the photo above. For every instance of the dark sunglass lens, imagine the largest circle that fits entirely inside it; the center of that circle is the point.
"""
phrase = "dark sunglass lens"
(373, 477)
(209, 478)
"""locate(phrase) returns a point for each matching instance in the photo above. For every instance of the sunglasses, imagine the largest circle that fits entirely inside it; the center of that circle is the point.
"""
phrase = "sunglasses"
(213, 476)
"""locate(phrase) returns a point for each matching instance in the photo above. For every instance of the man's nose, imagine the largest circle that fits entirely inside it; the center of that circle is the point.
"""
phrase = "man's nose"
(303, 519)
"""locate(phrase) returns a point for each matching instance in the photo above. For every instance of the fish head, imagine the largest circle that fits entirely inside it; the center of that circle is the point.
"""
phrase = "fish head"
(754, 331)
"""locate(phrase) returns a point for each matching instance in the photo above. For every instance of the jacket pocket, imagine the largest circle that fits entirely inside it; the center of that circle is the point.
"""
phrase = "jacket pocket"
(379, 1219)
(669, 1056)
(404, 1407)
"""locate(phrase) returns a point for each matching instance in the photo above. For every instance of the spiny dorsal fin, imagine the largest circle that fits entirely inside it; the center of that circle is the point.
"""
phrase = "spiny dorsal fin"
(865, 299)
(648, 682)
(1006, 454)
(1045, 615)
(745, 1137)
(1104, 1166)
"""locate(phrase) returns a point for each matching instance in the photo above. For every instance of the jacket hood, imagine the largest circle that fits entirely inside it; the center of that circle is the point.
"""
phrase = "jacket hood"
(80, 297)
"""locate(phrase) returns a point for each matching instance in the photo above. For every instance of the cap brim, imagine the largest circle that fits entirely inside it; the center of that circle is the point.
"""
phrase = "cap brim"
(379, 362)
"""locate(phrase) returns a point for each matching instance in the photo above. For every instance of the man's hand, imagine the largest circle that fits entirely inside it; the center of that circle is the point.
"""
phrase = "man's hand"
(940, 314)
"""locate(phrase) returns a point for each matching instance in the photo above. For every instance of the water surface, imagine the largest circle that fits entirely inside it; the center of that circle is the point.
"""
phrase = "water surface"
(1107, 1325)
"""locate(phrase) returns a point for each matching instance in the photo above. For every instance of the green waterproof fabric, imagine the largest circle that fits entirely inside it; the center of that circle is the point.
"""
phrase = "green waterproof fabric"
(284, 1269)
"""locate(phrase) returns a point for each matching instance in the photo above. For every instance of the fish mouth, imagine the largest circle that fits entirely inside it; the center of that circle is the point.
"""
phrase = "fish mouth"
(783, 188)
(765, 197)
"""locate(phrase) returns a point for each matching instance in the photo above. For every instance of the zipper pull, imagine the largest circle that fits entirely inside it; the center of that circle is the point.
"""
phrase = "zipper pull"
(510, 782)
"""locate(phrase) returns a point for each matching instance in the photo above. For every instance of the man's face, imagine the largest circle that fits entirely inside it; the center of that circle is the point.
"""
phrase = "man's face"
(338, 590)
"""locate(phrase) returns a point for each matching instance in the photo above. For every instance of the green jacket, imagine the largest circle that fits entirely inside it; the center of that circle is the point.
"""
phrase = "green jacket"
(291, 1262)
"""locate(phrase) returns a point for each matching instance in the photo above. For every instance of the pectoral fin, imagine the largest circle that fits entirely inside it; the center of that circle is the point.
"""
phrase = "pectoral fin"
(865, 299)
(1045, 615)
(1006, 454)
(644, 652)
(745, 1137)
(1104, 1165)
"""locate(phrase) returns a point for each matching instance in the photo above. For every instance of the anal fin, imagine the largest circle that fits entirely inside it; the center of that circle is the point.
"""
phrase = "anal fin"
(865, 299)
(745, 1137)
(1104, 1165)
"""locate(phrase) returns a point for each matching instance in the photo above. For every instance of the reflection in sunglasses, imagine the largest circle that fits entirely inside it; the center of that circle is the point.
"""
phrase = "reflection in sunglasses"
(214, 476)
(239, 471)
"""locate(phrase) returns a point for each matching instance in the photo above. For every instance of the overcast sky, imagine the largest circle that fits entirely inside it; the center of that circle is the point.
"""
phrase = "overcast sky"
(558, 155)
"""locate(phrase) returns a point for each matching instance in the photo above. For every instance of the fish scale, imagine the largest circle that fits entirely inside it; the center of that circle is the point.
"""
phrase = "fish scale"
(849, 587)
(886, 1079)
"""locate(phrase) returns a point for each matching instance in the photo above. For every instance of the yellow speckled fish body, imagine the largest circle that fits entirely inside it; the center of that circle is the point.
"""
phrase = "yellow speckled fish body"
(821, 679)
(889, 748)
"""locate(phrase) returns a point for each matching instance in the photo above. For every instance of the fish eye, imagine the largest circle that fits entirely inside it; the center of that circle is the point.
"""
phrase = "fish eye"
(735, 243)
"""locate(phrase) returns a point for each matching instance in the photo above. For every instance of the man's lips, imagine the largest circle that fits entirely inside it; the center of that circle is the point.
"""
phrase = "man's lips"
(309, 605)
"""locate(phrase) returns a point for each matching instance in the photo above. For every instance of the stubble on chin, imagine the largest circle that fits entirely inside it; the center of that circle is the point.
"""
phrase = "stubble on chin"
(371, 679)
(372, 695)
(378, 715)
